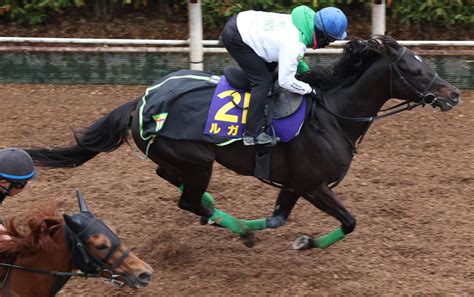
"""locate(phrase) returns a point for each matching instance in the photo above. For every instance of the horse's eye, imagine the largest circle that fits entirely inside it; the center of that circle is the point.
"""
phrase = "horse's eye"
(101, 247)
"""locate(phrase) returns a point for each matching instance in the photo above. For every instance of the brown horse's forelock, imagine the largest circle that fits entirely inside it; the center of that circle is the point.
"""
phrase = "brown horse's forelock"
(36, 237)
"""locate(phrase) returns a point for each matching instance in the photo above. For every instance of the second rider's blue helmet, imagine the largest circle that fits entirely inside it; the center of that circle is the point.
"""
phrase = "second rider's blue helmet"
(332, 21)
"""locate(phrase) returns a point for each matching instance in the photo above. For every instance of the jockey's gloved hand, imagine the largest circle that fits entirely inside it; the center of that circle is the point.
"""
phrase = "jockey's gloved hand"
(315, 94)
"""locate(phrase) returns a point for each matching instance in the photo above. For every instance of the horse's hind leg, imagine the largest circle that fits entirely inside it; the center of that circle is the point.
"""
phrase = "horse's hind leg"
(169, 176)
(195, 183)
(173, 178)
(326, 200)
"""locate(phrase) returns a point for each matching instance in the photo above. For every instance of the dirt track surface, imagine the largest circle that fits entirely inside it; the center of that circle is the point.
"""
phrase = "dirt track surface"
(411, 188)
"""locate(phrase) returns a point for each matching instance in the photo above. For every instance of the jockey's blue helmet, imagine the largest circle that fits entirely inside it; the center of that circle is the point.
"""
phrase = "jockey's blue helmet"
(16, 165)
(332, 21)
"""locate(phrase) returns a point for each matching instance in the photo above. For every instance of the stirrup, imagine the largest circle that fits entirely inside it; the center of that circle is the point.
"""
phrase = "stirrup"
(266, 139)
(248, 140)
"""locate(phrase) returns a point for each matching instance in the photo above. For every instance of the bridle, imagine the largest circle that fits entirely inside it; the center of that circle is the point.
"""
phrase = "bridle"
(425, 97)
(82, 258)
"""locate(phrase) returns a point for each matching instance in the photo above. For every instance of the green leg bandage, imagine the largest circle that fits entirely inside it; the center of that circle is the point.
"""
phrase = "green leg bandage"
(332, 237)
(207, 200)
(259, 224)
(226, 220)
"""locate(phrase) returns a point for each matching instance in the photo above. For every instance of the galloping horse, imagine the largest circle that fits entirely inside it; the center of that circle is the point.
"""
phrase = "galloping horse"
(365, 76)
(40, 262)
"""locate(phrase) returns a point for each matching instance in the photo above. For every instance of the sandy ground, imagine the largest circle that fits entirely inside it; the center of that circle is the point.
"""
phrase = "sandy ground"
(411, 188)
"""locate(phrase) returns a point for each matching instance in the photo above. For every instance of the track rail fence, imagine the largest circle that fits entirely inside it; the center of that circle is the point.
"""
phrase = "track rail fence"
(140, 61)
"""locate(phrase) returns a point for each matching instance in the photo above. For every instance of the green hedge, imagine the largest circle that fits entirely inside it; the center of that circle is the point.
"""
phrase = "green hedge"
(32, 12)
(442, 12)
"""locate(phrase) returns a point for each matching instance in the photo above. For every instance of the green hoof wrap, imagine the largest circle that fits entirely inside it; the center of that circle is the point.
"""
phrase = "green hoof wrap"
(259, 224)
(227, 221)
(207, 200)
(326, 240)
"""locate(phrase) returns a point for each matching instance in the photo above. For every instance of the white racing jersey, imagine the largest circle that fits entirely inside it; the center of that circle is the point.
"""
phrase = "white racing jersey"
(275, 39)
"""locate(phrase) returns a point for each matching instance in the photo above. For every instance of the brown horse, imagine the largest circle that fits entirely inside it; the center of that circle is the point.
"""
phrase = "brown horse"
(41, 260)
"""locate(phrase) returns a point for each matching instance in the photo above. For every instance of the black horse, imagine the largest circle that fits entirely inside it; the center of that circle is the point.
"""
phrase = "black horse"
(355, 88)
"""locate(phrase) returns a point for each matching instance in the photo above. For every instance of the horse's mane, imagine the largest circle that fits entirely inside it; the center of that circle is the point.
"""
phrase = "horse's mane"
(34, 235)
(357, 56)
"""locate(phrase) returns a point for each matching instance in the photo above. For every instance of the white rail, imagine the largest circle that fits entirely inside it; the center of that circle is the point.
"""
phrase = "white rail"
(175, 46)
(172, 42)
(128, 49)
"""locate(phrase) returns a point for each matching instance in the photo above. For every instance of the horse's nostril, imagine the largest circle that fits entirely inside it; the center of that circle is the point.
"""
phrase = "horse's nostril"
(455, 96)
(144, 277)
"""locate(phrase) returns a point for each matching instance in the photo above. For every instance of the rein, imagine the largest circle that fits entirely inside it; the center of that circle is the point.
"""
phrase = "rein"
(48, 272)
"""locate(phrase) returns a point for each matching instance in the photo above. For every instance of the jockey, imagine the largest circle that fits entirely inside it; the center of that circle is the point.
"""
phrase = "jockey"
(259, 41)
(16, 169)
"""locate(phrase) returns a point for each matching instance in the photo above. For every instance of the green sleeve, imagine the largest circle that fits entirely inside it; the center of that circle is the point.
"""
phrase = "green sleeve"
(302, 67)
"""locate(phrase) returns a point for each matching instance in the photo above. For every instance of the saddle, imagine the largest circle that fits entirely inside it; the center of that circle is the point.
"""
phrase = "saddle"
(281, 106)
(283, 102)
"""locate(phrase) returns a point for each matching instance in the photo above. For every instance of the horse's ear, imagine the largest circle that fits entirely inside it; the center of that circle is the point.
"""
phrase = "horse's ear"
(82, 202)
(71, 223)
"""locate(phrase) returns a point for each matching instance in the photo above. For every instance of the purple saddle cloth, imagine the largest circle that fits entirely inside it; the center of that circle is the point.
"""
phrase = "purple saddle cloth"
(228, 113)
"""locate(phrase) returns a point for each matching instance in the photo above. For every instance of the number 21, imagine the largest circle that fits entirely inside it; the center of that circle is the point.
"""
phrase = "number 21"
(221, 114)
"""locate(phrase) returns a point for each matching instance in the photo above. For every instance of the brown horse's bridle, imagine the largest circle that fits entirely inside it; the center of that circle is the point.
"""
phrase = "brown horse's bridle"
(89, 265)
(84, 259)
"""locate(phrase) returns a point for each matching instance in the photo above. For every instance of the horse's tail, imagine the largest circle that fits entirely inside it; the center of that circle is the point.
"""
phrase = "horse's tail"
(105, 135)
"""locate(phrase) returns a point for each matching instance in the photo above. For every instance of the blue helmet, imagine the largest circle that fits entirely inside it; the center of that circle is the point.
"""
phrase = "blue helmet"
(332, 21)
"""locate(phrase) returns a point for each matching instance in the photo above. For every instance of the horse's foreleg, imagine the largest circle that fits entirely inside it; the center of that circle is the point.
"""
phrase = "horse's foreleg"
(326, 200)
(284, 204)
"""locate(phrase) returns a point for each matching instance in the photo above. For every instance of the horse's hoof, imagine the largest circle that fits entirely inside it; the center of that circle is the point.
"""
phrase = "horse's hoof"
(203, 221)
(248, 238)
(303, 243)
(275, 222)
